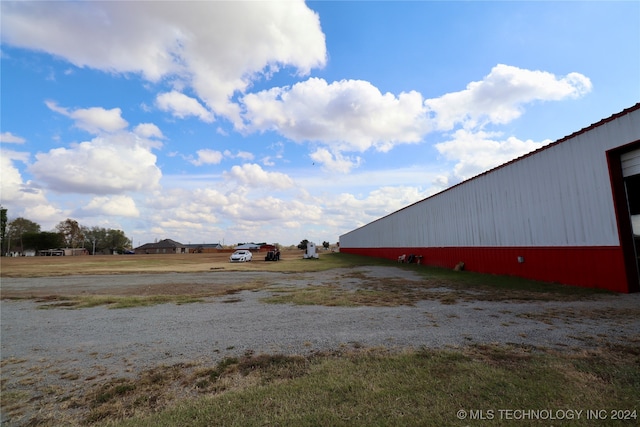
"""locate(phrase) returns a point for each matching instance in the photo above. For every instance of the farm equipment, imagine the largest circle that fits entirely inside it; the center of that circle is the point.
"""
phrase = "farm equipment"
(272, 256)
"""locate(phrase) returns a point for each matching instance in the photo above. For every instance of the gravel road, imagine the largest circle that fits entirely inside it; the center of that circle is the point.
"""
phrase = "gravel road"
(100, 343)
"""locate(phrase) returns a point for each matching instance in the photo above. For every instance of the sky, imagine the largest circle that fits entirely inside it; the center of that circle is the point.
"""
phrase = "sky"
(278, 121)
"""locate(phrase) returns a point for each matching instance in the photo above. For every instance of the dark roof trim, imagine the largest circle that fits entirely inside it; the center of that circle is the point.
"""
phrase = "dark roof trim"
(166, 243)
(203, 245)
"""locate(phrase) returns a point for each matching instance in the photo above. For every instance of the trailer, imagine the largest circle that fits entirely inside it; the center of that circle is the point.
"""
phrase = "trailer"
(310, 252)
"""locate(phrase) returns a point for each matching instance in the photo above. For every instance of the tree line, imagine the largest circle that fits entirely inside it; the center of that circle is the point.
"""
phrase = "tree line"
(22, 234)
(303, 244)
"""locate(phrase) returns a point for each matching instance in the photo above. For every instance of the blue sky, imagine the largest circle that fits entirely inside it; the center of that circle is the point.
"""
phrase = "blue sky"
(231, 122)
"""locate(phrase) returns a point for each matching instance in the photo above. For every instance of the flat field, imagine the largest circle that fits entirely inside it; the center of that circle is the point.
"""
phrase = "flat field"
(194, 340)
(153, 263)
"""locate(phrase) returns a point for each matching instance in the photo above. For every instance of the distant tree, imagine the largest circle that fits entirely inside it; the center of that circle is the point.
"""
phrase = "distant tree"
(18, 227)
(71, 232)
(43, 240)
(3, 230)
(103, 239)
(95, 237)
(326, 245)
(303, 245)
(117, 240)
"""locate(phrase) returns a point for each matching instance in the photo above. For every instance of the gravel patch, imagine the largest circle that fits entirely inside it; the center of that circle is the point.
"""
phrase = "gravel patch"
(78, 348)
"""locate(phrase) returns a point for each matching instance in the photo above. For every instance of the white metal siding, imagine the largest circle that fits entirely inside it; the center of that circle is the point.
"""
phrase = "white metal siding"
(558, 196)
(630, 163)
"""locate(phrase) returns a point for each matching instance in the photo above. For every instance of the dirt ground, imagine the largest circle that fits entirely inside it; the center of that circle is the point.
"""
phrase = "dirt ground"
(140, 275)
(52, 356)
(127, 264)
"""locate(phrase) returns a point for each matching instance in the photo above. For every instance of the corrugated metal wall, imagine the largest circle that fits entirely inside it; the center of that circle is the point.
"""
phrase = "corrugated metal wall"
(558, 196)
(631, 163)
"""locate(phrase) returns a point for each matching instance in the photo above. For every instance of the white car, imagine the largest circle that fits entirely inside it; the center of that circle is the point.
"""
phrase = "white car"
(241, 256)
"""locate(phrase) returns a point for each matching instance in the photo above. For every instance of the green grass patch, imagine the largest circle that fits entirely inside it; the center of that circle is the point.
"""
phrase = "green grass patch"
(355, 288)
(431, 283)
(481, 286)
(461, 285)
(328, 295)
(423, 387)
(336, 296)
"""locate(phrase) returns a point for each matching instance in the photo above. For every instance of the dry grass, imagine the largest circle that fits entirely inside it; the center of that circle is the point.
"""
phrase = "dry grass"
(291, 260)
(568, 315)
(350, 386)
(353, 288)
(353, 386)
(357, 289)
(145, 296)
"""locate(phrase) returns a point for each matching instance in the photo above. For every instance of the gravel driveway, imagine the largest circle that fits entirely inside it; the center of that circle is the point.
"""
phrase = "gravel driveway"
(59, 347)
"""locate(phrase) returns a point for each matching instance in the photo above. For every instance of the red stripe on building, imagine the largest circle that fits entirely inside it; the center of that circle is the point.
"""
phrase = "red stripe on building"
(590, 266)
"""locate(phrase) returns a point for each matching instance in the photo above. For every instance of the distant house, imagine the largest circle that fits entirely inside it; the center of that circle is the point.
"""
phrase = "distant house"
(166, 246)
(249, 246)
(63, 252)
(204, 248)
(256, 247)
(267, 248)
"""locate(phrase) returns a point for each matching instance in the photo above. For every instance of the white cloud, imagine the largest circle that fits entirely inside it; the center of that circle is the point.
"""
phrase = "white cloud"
(253, 175)
(274, 210)
(110, 164)
(349, 115)
(499, 98)
(44, 214)
(278, 148)
(335, 162)
(476, 152)
(122, 206)
(93, 120)
(216, 48)
(12, 182)
(245, 155)
(236, 209)
(354, 116)
(9, 138)
(267, 161)
(148, 130)
(348, 208)
(181, 105)
(19, 197)
(418, 175)
(207, 157)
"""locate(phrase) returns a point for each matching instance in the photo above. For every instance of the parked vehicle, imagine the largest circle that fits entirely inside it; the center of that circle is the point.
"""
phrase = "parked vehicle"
(310, 252)
(241, 256)
(272, 256)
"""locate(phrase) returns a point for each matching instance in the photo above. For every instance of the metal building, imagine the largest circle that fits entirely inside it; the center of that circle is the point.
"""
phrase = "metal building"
(567, 213)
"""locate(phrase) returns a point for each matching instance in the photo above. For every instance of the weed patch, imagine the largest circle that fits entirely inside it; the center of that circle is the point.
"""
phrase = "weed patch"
(77, 302)
(357, 288)
(375, 387)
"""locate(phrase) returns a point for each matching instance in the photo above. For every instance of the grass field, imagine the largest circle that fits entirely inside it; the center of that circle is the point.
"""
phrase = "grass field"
(461, 285)
(126, 264)
(478, 385)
